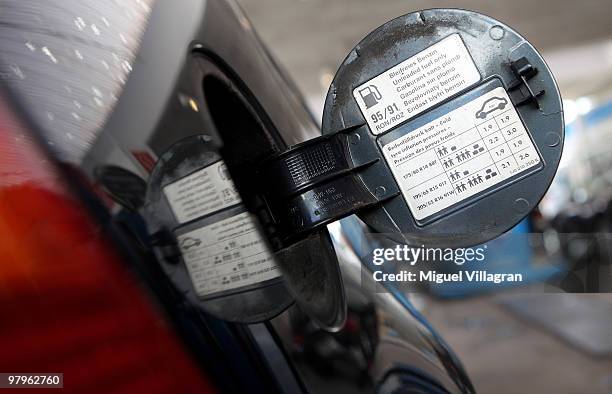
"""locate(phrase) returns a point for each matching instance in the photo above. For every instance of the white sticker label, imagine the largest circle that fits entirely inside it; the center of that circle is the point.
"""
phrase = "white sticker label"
(464, 152)
(226, 255)
(205, 191)
(416, 84)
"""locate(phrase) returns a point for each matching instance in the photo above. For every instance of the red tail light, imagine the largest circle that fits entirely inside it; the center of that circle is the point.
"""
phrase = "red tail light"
(67, 302)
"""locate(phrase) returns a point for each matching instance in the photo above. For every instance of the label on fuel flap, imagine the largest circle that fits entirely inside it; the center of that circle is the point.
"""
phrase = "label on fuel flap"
(203, 192)
(460, 154)
(226, 255)
(416, 84)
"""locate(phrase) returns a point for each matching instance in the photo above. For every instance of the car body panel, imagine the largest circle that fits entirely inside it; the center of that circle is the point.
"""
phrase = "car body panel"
(153, 110)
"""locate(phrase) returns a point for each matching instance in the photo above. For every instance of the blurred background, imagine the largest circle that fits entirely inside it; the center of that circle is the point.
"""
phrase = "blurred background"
(537, 343)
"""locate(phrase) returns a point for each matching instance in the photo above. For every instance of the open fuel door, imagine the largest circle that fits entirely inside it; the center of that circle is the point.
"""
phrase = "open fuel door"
(441, 128)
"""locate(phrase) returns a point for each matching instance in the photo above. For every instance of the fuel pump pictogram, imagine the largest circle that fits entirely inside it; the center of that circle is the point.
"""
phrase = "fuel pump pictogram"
(370, 96)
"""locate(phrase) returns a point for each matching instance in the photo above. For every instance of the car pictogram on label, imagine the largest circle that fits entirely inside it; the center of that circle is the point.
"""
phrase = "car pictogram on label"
(491, 105)
(189, 242)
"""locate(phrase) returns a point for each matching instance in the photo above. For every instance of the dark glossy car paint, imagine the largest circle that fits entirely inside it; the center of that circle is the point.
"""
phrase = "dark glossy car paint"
(156, 97)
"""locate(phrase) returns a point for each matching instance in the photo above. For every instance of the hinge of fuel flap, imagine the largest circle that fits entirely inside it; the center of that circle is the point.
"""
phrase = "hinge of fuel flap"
(523, 70)
(315, 183)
